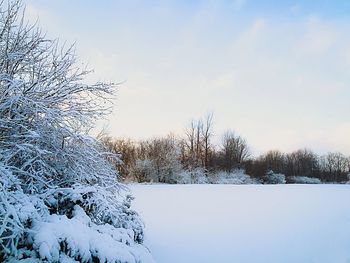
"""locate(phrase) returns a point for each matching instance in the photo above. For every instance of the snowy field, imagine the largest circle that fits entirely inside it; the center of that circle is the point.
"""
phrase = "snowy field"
(246, 223)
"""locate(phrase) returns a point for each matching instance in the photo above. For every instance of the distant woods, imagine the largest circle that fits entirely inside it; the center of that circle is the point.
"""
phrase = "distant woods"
(168, 159)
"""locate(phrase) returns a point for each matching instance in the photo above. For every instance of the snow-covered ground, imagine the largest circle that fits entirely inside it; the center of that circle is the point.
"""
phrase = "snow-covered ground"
(246, 223)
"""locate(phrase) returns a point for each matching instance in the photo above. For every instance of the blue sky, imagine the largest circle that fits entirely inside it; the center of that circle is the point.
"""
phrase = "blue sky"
(276, 72)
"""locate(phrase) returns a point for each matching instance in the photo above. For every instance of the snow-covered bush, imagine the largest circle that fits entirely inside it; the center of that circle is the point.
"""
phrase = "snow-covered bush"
(184, 177)
(144, 171)
(199, 176)
(79, 223)
(304, 180)
(59, 195)
(159, 160)
(235, 177)
(194, 176)
(273, 178)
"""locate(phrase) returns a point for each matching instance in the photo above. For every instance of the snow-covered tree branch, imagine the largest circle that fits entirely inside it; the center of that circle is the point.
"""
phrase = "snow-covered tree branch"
(50, 168)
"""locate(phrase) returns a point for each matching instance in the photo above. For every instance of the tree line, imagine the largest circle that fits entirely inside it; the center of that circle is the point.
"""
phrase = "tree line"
(164, 159)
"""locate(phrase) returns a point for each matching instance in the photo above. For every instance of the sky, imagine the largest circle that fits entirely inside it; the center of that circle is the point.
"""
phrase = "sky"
(275, 72)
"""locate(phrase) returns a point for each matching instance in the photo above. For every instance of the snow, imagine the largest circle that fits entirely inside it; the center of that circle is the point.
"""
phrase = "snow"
(245, 223)
(30, 233)
(86, 239)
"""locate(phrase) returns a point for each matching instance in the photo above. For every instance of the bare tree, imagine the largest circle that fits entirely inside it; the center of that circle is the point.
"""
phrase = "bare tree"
(207, 133)
(127, 152)
(274, 160)
(193, 144)
(335, 166)
(235, 150)
(302, 163)
(197, 147)
(189, 152)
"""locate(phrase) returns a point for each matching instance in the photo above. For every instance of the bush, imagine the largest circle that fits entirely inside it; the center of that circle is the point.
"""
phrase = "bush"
(274, 178)
(194, 176)
(304, 180)
(81, 223)
(235, 177)
(59, 194)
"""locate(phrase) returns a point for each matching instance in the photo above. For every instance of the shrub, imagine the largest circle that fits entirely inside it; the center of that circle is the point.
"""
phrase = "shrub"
(274, 178)
(304, 180)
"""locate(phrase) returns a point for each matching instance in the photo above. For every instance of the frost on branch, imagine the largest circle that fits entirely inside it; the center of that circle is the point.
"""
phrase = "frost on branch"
(59, 195)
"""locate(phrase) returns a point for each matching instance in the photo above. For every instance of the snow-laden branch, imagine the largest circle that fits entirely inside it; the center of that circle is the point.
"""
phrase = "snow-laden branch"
(54, 177)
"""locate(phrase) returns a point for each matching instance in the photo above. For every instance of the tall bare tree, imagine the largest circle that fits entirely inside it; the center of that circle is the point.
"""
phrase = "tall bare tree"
(235, 150)
(193, 144)
(207, 133)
